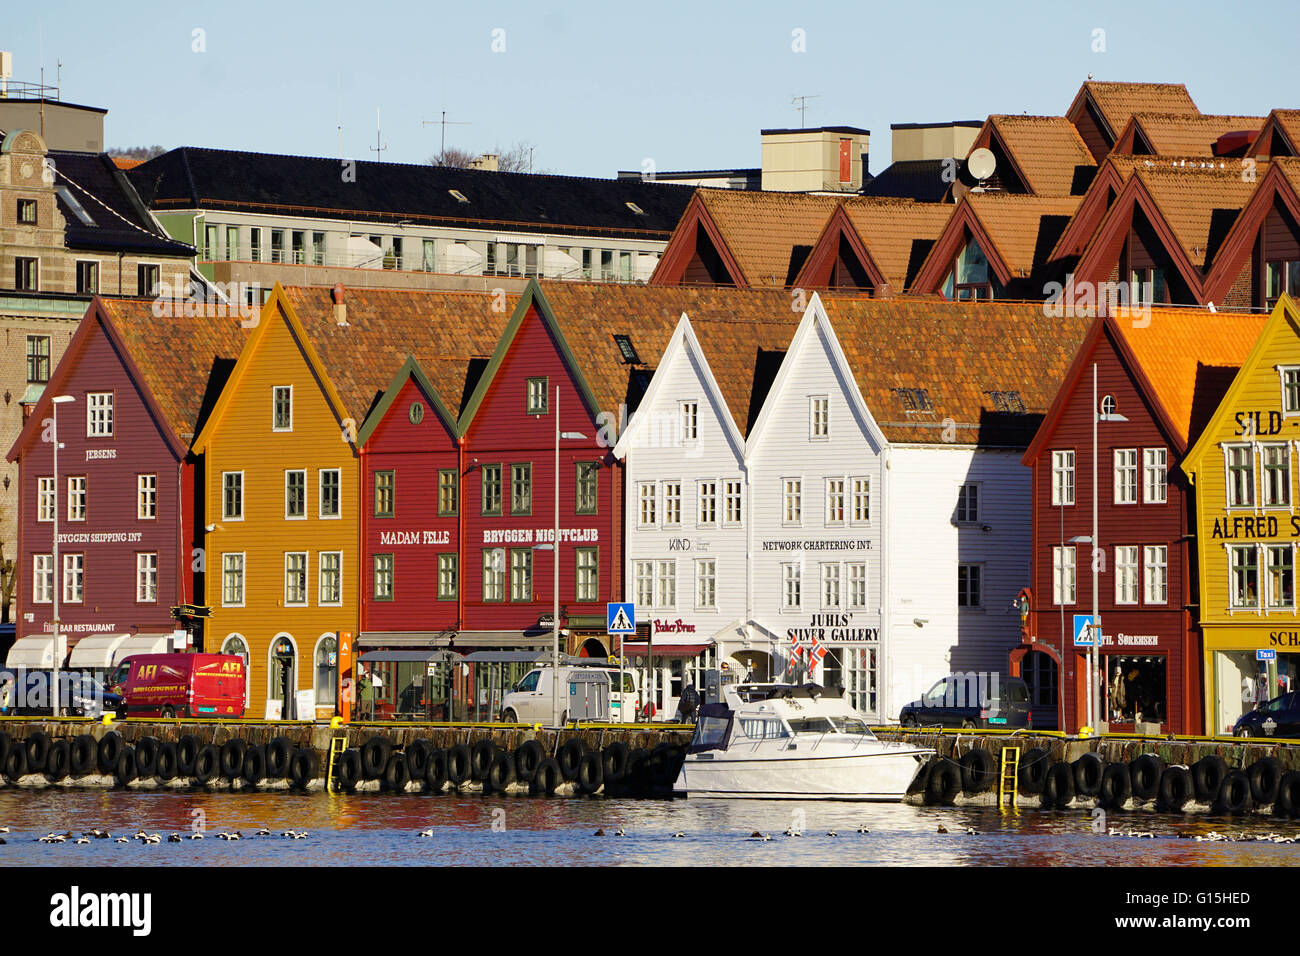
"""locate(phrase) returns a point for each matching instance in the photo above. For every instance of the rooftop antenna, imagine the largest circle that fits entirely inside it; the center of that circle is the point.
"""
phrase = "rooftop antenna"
(377, 148)
(801, 103)
(444, 123)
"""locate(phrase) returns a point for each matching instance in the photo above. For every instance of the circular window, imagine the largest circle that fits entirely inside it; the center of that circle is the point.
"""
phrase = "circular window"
(1108, 405)
(415, 413)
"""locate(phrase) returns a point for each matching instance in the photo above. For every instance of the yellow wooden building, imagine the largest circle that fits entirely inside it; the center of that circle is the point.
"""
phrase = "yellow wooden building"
(1248, 525)
(281, 472)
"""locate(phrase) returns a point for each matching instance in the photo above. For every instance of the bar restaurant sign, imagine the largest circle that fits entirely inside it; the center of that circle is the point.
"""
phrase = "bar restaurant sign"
(834, 629)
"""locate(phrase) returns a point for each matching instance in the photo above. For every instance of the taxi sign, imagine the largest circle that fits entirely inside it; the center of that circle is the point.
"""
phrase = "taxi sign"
(1266, 654)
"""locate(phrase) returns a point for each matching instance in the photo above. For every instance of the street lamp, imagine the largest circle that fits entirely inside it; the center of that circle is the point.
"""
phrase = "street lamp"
(56, 401)
(555, 545)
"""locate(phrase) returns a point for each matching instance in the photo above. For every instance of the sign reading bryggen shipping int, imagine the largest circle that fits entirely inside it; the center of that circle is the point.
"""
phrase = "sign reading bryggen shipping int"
(834, 629)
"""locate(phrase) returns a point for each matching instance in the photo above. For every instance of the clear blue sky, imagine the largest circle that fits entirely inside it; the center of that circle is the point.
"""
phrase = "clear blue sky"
(600, 86)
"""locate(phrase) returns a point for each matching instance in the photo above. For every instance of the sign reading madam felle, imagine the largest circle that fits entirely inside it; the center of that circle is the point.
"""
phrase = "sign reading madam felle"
(833, 628)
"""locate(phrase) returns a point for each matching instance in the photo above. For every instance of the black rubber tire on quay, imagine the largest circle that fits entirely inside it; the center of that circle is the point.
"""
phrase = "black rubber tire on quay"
(1234, 794)
(304, 767)
(458, 764)
(254, 770)
(374, 756)
(396, 775)
(1058, 787)
(591, 772)
(1207, 777)
(84, 755)
(1034, 764)
(38, 748)
(944, 783)
(527, 758)
(481, 756)
(278, 754)
(1087, 774)
(1175, 789)
(110, 745)
(979, 771)
(1288, 795)
(547, 778)
(500, 773)
(417, 758)
(1116, 787)
(232, 758)
(187, 751)
(664, 766)
(15, 765)
(637, 778)
(1144, 773)
(125, 770)
(57, 760)
(348, 769)
(570, 754)
(207, 765)
(5, 743)
(1265, 776)
(167, 761)
(146, 757)
(435, 771)
(613, 761)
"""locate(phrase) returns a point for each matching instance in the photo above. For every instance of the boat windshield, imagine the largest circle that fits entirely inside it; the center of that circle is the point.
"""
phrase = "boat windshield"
(712, 729)
(854, 726)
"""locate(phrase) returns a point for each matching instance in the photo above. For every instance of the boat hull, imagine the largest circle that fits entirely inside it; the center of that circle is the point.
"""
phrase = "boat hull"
(883, 776)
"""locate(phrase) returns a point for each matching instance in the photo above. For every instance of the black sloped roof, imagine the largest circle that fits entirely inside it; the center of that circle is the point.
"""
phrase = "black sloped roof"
(924, 180)
(119, 220)
(199, 178)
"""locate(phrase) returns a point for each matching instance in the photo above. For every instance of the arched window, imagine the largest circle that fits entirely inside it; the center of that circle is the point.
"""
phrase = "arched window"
(282, 673)
(327, 671)
(236, 645)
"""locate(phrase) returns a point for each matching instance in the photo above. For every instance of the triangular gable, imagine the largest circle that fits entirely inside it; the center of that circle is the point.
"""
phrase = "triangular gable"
(677, 254)
(1083, 359)
(1284, 312)
(839, 230)
(814, 318)
(683, 346)
(276, 306)
(950, 242)
(1279, 136)
(533, 296)
(411, 370)
(1096, 262)
(1273, 187)
(990, 138)
(1096, 202)
(96, 318)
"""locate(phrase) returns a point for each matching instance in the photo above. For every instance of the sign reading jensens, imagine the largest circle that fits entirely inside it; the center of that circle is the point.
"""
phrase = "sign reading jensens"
(833, 628)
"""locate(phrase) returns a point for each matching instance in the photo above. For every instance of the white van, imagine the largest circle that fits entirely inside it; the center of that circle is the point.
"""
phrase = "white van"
(586, 693)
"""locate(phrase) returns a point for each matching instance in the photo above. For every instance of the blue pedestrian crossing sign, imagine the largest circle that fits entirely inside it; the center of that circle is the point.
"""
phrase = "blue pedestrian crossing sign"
(620, 618)
(1083, 630)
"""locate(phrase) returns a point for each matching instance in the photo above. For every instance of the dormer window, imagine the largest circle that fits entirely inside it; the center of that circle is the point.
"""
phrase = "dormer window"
(457, 195)
(1009, 402)
(914, 399)
(969, 278)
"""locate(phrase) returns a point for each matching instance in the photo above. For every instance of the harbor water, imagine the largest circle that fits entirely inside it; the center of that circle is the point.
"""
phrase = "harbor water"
(382, 829)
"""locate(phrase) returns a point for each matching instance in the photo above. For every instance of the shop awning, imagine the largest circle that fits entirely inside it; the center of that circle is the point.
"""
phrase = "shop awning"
(95, 651)
(502, 639)
(34, 652)
(642, 649)
(143, 644)
(429, 640)
(527, 657)
(412, 657)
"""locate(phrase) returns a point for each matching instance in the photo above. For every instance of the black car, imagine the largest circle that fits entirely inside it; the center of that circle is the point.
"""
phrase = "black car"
(1279, 717)
(970, 700)
(80, 694)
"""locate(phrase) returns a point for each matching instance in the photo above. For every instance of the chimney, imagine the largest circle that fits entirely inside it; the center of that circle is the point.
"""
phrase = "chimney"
(825, 159)
(488, 163)
(340, 307)
(917, 141)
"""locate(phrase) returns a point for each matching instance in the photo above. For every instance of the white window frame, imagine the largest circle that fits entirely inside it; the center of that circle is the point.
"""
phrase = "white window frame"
(147, 495)
(43, 578)
(1128, 574)
(142, 568)
(99, 414)
(1155, 476)
(243, 564)
(1155, 573)
(46, 500)
(791, 495)
(1126, 476)
(1253, 490)
(320, 494)
(306, 579)
(857, 579)
(968, 499)
(791, 573)
(1282, 371)
(836, 499)
(320, 579)
(706, 494)
(74, 576)
(274, 390)
(232, 517)
(666, 583)
(688, 421)
(1059, 569)
(642, 500)
(672, 511)
(77, 497)
(861, 486)
(733, 490)
(706, 584)
(819, 418)
(978, 568)
(1229, 551)
(832, 586)
(1063, 477)
(643, 577)
(287, 473)
(1285, 503)
(1267, 582)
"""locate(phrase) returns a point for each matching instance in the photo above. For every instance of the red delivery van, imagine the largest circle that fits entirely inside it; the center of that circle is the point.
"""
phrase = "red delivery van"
(180, 685)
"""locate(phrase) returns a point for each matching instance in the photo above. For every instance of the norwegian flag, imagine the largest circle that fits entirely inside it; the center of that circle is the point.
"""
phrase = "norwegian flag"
(816, 652)
(796, 652)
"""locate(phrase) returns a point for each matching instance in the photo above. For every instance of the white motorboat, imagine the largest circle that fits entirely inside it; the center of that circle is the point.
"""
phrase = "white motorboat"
(793, 742)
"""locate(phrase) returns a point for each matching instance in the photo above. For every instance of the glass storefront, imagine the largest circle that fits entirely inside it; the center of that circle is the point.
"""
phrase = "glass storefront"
(1241, 682)
(1136, 689)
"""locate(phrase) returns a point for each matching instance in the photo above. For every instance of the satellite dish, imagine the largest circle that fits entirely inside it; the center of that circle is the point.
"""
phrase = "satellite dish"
(981, 163)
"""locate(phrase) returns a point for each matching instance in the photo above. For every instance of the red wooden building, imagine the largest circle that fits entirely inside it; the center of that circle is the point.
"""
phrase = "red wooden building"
(128, 515)
(1156, 386)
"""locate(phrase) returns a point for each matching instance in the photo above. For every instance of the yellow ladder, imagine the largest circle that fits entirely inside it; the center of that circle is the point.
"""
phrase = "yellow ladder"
(338, 744)
(1009, 780)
